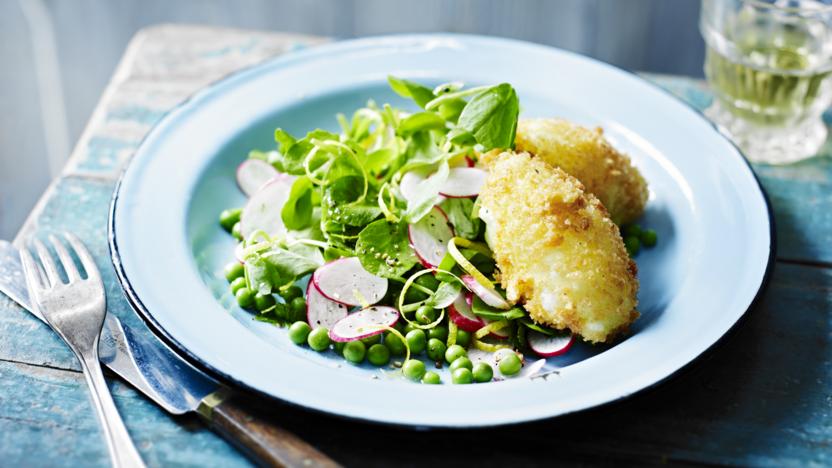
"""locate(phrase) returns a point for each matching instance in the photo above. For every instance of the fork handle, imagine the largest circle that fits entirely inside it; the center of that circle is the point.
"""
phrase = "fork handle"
(123, 453)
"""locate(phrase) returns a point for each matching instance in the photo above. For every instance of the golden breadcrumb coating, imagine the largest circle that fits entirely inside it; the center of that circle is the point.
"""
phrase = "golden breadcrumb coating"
(557, 249)
(586, 155)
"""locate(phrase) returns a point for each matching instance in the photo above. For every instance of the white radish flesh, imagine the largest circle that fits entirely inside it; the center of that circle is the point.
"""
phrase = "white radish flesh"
(548, 346)
(463, 182)
(429, 237)
(253, 174)
(364, 323)
(460, 313)
(488, 295)
(346, 281)
(408, 184)
(262, 212)
(320, 311)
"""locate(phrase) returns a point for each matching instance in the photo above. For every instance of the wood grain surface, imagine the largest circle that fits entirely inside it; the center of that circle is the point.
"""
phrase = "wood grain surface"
(763, 396)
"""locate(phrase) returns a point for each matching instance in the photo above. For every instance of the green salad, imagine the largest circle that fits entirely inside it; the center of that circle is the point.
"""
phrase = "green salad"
(380, 221)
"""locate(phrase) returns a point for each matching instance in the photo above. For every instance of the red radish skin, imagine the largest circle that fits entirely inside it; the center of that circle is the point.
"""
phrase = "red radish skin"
(460, 313)
(340, 280)
(320, 311)
(548, 346)
(253, 174)
(429, 237)
(463, 182)
(364, 324)
(262, 212)
(470, 161)
(490, 297)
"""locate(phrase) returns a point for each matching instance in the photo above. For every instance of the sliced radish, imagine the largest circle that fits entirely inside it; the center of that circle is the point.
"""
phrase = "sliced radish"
(408, 184)
(253, 174)
(488, 295)
(346, 281)
(239, 253)
(364, 323)
(429, 237)
(460, 313)
(463, 182)
(548, 346)
(320, 311)
(263, 208)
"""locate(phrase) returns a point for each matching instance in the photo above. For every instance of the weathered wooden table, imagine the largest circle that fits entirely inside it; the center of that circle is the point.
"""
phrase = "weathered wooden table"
(763, 397)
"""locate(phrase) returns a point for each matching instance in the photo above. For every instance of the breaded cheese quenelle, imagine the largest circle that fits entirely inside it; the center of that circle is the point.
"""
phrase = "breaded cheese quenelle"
(557, 249)
(585, 154)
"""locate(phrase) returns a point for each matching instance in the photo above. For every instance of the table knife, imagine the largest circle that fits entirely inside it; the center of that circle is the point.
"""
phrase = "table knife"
(152, 368)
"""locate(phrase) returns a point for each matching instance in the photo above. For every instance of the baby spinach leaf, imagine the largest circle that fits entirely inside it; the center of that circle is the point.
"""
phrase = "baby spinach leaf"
(491, 117)
(384, 249)
(459, 212)
(297, 211)
(421, 95)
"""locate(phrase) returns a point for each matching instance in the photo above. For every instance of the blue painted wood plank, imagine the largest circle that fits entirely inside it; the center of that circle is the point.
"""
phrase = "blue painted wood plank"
(46, 419)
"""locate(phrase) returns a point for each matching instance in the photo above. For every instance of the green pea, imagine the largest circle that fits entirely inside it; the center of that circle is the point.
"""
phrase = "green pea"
(281, 311)
(233, 271)
(230, 217)
(431, 378)
(462, 376)
(630, 230)
(237, 232)
(648, 238)
(378, 354)
(298, 332)
(461, 362)
(290, 293)
(339, 347)
(482, 372)
(436, 349)
(632, 244)
(297, 309)
(510, 364)
(354, 351)
(245, 298)
(428, 281)
(409, 328)
(463, 338)
(414, 295)
(416, 341)
(426, 314)
(371, 340)
(237, 284)
(318, 339)
(455, 352)
(413, 369)
(439, 332)
(394, 344)
(263, 301)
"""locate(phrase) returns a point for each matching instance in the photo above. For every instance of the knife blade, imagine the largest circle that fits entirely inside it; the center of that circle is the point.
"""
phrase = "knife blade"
(152, 368)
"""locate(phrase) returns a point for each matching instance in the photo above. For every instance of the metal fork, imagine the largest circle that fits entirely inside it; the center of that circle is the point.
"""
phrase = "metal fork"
(76, 310)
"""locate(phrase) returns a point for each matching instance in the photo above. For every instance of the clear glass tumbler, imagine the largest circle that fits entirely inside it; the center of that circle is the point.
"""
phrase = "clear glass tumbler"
(769, 64)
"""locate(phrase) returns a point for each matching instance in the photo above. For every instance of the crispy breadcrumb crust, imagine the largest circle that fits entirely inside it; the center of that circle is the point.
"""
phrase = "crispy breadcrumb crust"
(557, 249)
(585, 154)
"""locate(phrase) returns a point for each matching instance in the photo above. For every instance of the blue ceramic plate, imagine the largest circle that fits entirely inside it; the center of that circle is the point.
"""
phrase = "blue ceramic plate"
(714, 226)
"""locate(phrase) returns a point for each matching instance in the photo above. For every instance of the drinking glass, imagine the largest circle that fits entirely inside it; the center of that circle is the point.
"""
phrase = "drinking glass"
(769, 64)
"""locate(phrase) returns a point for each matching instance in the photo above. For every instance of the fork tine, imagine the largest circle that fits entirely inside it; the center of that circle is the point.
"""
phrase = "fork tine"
(31, 271)
(47, 262)
(66, 260)
(83, 255)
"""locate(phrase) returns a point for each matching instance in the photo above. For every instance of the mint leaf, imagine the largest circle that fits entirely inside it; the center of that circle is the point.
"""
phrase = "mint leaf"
(491, 117)
(384, 249)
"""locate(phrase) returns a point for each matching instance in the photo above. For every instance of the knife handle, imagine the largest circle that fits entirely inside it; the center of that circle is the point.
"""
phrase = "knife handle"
(265, 443)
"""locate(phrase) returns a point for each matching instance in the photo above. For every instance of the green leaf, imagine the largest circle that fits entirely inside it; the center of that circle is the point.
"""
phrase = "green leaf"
(422, 151)
(284, 140)
(421, 95)
(445, 292)
(341, 203)
(421, 121)
(459, 212)
(384, 249)
(290, 263)
(481, 309)
(491, 117)
(297, 211)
